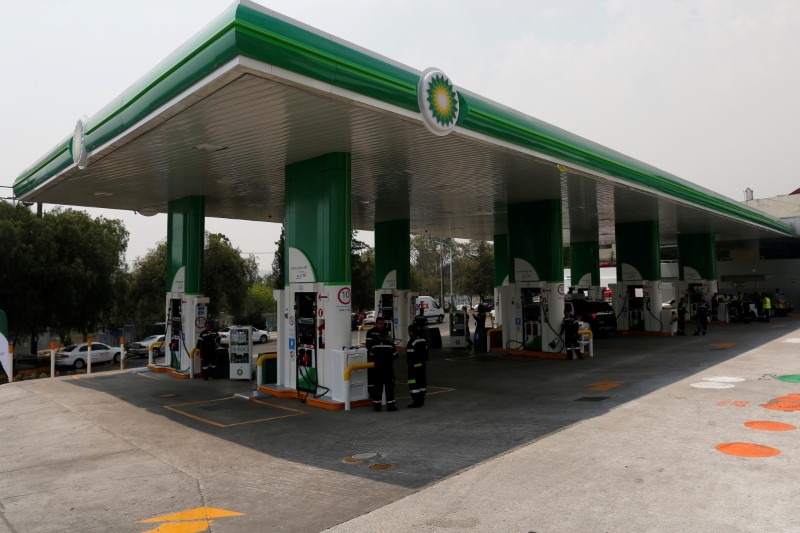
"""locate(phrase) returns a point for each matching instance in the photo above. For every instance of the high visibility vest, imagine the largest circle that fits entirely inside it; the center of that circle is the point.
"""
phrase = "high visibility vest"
(767, 303)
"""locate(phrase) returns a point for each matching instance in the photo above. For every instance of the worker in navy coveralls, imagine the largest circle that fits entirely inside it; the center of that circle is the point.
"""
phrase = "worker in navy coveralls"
(384, 353)
(417, 352)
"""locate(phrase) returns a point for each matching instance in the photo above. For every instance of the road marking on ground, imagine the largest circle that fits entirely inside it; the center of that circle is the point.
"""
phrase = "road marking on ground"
(746, 449)
(722, 345)
(768, 425)
(605, 385)
(712, 385)
(190, 521)
(174, 408)
(793, 340)
(724, 379)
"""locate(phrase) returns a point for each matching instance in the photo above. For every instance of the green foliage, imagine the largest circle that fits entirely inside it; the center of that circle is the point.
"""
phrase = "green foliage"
(63, 270)
(227, 276)
(260, 300)
(276, 278)
(146, 290)
(362, 279)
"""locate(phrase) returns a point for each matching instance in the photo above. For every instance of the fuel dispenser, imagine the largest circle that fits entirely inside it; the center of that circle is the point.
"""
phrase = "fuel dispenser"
(385, 308)
(636, 307)
(532, 313)
(186, 318)
(308, 338)
(531, 299)
(398, 308)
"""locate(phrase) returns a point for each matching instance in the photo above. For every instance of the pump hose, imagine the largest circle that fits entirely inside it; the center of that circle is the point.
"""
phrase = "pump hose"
(558, 335)
(660, 322)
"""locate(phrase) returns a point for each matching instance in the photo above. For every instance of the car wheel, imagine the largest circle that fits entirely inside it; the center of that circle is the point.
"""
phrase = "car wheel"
(116, 357)
(264, 339)
(156, 352)
(440, 319)
(79, 364)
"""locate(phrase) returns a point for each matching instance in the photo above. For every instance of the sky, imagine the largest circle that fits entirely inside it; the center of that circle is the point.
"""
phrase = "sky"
(704, 89)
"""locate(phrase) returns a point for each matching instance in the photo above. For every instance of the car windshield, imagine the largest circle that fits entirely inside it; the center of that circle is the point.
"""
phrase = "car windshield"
(151, 338)
(70, 347)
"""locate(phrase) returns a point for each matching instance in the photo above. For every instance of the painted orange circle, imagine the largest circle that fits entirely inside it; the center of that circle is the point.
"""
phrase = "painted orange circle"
(746, 449)
(795, 398)
(768, 425)
(783, 406)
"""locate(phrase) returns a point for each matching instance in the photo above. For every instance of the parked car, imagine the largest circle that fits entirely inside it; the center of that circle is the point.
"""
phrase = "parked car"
(258, 335)
(598, 314)
(142, 347)
(77, 355)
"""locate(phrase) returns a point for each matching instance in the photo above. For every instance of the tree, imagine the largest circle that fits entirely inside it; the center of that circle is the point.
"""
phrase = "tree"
(362, 274)
(276, 277)
(227, 277)
(259, 300)
(146, 290)
(82, 281)
(24, 271)
(477, 269)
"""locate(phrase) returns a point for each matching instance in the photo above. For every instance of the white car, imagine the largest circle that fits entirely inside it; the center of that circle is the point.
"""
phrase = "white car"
(77, 355)
(258, 335)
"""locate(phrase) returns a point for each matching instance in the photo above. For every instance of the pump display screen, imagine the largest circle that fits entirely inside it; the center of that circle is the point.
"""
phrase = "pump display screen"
(638, 292)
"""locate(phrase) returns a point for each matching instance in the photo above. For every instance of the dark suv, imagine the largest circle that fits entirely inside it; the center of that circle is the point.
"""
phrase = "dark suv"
(598, 314)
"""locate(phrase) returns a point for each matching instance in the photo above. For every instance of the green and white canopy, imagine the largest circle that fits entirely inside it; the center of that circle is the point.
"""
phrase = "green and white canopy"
(255, 91)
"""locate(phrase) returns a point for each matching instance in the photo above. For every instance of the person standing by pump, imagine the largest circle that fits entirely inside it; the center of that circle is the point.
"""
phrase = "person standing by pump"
(384, 353)
(702, 318)
(373, 338)
(480, 329)
(569, 330)
(207, 344)
(417, 355)
(681, 317)
(466, 328)
(766, 304)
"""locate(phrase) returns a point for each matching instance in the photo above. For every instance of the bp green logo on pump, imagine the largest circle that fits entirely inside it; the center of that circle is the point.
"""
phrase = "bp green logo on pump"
(438, 101)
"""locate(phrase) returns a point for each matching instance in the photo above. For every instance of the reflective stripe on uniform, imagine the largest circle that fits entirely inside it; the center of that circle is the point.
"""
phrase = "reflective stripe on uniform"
(410, 381)
(417, 365)
(415, 391)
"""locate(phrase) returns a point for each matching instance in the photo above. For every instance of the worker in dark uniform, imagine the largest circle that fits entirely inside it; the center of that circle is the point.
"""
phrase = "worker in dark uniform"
(384, 353)
(681, 317)
(420, 320)
(207, 344)
(569, 330)
(466, 328)
(417, 353)
(373, 338)
(702, 318)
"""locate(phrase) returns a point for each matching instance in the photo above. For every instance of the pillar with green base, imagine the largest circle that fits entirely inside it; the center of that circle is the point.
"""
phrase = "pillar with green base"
(185, 284)
(5, 355)
(536, 277)
(638, 273)
(317, 265)
(697, 268)
(583, 232)
(502, 289)
(393, 275)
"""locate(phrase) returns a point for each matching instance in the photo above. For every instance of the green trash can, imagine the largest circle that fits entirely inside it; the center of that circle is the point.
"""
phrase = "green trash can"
(269, 370)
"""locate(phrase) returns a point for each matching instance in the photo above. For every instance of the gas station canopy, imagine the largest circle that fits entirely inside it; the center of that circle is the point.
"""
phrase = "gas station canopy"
(255, 91)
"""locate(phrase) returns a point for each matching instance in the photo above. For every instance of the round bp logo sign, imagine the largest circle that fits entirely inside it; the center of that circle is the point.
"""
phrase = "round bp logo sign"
(438, 101)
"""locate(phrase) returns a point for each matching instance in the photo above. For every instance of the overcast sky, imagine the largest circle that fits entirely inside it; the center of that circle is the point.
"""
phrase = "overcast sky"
(706, 90)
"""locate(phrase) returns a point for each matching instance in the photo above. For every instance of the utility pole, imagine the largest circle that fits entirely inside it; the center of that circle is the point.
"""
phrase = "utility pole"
(452, 296)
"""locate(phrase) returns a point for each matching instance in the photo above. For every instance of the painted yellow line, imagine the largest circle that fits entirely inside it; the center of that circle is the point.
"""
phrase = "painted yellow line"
(198, 513)
(174, 408)
(723, 345)
(194, 526)
(147, 375)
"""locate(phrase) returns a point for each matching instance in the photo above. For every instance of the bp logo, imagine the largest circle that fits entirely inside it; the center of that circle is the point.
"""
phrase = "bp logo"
(438, 101)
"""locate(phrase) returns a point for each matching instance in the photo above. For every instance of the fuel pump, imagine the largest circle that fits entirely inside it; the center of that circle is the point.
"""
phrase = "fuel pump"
(173, 332)
(531, 300)
(386, 310)
(306, 335)
(636, 307)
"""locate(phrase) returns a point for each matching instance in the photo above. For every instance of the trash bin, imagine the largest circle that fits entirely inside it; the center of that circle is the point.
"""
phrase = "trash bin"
(269, 370)
(495, 337)
(433, 337)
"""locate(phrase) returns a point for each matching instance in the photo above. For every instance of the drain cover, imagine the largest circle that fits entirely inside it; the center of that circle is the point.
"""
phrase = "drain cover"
(592, 398)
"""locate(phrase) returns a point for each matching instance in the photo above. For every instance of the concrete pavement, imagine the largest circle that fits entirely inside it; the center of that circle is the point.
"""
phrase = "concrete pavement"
(621, 442)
